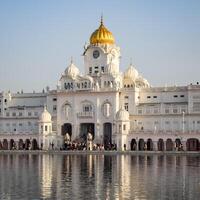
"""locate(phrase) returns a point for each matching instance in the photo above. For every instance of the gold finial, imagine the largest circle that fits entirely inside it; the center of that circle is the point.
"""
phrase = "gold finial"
(101, 19)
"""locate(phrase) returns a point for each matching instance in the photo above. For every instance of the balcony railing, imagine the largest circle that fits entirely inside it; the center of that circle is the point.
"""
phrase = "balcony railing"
(85, 114)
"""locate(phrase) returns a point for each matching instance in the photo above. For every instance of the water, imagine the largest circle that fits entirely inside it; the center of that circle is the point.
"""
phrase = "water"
(91, 177)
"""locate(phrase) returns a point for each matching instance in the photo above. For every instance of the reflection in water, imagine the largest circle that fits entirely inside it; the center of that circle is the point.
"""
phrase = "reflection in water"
(99, 177)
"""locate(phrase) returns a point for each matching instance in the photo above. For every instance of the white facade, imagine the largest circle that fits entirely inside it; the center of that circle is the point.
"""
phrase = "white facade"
(115, 107)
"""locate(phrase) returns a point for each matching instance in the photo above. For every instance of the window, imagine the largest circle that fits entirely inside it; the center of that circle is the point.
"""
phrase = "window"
(29, 123)
(46, 128)
(148, 97)
(140, 111)
(54, 108)
(54, 99)
(126, 97)
(5, 100)
(36, 114)
(29, 114)
(175, 110)
(182, 95)
(102, 68)
(20, 114)
(126, 106)
(7, 114)
(14, 114)
(90, 70)
(87, 108)
(166, 110)
(154, 97)
(124, 127)
(196, 107)
(138, 97)
(175, 96)
(20, 124)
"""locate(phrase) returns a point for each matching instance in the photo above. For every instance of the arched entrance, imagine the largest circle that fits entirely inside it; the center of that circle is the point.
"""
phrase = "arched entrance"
(141, 145)
(86, 128)
(133, 145)
(169, 145)
(160, 145)
(178, 144)
(12, 144)
(27, 144)
(107, 135)
(34, 144)
(192, 144)
(21, 144)
(1, 145)
(67, 128)
(149, 145)
(5, 144)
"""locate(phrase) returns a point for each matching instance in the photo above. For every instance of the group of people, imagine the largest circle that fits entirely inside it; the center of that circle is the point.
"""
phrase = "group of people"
(81, 146)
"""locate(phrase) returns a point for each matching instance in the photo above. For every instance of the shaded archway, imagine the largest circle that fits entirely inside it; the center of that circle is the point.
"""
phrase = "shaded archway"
(192, 144)
(1, 145)
(149, 145)
(34, 144)
(133, 145)
(178, 144)
(67, 128)
(160, 145)
(12, 144)
(86, 128)
(27, 144)
(169, 145)
(21, 144)
(107, 135)
(5, 144)
(141, 145)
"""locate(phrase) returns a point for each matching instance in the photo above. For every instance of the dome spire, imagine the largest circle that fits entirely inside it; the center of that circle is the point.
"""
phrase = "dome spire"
(102, 19)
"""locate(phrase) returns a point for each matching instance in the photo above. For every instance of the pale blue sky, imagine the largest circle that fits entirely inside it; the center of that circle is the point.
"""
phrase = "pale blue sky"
(38, 37)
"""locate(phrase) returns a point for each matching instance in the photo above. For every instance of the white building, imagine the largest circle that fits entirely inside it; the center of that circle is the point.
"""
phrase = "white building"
(112, 106)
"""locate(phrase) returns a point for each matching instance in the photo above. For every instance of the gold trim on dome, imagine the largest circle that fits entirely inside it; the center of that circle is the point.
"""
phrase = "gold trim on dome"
(102, 35)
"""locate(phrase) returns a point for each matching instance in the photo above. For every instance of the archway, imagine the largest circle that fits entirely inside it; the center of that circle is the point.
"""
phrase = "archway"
(169, 145)
(192, 144)
(107, 135)
(34, 144)
(1, 145)
(27, 144)
(12, 144)
(21, 144)
(141, 145)
(133, 145)
(86, 128)
(178, 144)
(5, 144)
(67, 128)
(149, 145)
(160, 145)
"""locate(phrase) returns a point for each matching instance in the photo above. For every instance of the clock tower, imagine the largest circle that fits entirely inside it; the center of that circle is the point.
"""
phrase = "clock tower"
(101, 56)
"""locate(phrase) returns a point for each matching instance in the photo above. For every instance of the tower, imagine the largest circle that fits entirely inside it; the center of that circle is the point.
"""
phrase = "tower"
(101, 55)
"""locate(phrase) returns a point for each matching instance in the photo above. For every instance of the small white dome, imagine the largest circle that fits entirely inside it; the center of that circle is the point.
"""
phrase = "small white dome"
(72, 71)
(45, 116)
(131, 73)
(122, 115)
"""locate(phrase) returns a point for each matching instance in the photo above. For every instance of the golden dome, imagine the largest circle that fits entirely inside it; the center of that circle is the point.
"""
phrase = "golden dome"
(102, 35)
